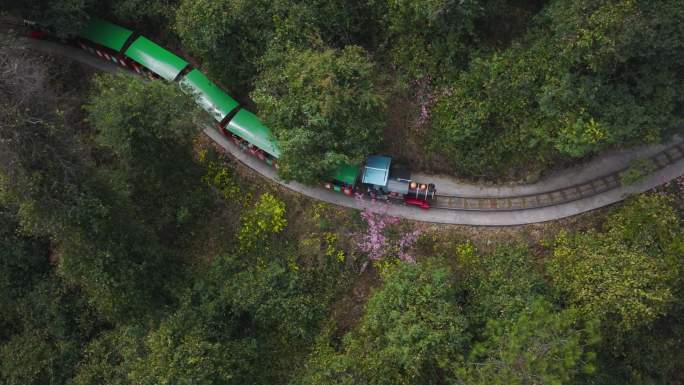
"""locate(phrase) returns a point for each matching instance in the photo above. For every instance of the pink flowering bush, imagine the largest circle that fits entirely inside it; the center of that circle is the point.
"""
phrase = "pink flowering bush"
(383, 238)
(404, 244)
(425, 97)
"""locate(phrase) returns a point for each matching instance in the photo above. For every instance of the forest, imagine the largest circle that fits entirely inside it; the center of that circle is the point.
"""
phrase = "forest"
(495, 89)
(133, 251)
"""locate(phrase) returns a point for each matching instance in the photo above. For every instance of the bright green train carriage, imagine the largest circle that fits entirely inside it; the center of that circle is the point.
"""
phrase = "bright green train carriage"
(130, 50)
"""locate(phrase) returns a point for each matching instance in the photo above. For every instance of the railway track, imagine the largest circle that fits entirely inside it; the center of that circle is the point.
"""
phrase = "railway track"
(575, 192)
(474, 208)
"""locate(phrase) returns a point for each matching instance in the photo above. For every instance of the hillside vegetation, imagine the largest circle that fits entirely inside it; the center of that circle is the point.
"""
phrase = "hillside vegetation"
(485, 88)
(133, 252)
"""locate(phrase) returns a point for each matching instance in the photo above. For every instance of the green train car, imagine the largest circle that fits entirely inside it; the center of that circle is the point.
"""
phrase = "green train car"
(140, 54)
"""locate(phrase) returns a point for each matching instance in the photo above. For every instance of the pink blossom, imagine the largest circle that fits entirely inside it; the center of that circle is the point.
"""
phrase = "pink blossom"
(425, 98)
(376, 244)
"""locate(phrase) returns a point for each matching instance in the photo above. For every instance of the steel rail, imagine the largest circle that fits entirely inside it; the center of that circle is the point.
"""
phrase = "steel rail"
(556, 197)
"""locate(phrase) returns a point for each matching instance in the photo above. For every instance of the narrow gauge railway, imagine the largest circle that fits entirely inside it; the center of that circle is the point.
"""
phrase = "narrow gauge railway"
(588, 189)
(143, 56)
(376, 177)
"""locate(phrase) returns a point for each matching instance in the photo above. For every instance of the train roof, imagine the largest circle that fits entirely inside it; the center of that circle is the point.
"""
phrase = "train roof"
(156, 58)
(211, 98)
(247, 126)
(347, 173)
(105, 34)
(376, 170)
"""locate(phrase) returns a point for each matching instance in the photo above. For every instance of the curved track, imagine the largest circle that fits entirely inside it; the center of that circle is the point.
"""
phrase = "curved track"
(564, 195)
(456, 209)
(481, 216)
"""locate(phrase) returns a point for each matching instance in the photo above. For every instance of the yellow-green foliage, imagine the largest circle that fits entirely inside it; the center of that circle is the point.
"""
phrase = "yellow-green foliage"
(261, 222)
(466, 253)
(224, 182)
(318, 208)
(322, 244)
(625, 274)
(331, 249)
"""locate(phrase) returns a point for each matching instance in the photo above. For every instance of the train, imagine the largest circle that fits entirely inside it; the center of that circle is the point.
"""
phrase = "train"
(377, 177)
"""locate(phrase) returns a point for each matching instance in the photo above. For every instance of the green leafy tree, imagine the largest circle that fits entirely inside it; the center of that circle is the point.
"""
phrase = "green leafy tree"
(540, 345)
(307, 24)
(110, 357)
(648, 355)
(649, 223)
(23, 263)
(625, 275)
(159, 12)
(413, 330)
(487, 121)
(54, 322)
(46, 168)
(228, 36)
(149, 129)
(130, 207)
(428, 37)
(588, 75)
(412, 326)
(355, 22)
(239, 324)
(231, 46)
(326, 365)
(183, 351)
(260, 224)
(500, 284)
(620, 82)
(113, 218)
(325, 107)
(523, 337)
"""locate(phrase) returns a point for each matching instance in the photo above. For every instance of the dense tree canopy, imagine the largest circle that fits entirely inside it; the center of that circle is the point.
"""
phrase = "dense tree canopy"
(52, 321)
(501, 284)
(228, 45)
(113, 218)
(427, 37)
(23, 262)
(131, 252)
(590, 74)
(510, 88)
(243, 321)
(324, 106)
(149, 128)
(64, 17)
(627, 275)
(538, 346)
(412, 331)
